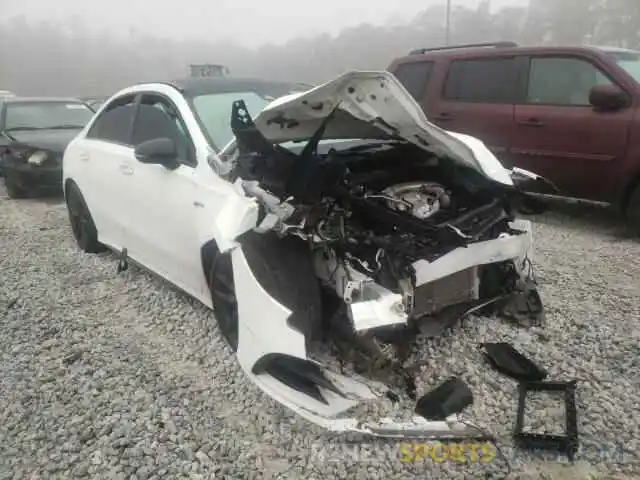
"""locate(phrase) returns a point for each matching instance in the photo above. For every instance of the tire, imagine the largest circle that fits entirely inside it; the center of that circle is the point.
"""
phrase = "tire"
(633, 211)
(284, 268)
(14, 190)
(82, 226)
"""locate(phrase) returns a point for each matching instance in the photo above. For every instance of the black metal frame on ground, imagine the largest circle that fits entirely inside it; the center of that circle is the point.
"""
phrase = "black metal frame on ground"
(565, 444)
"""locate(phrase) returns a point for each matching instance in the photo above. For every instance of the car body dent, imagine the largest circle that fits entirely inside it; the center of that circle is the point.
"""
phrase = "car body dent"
(224, 215)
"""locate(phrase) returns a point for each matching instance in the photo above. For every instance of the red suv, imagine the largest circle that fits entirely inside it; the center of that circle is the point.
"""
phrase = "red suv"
(570, 114)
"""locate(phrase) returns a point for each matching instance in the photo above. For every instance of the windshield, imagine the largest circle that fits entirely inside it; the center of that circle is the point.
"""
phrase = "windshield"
(46, 115)
(629, 61)
(214, 112)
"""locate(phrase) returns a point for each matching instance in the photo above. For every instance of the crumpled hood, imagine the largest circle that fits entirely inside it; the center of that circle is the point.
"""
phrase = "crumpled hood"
(371, 105)
(52, 140)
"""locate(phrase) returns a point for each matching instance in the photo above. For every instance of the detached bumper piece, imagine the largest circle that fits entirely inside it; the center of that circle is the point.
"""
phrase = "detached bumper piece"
(308, 378)
(449, 398)
(508, 361)
(565, 444)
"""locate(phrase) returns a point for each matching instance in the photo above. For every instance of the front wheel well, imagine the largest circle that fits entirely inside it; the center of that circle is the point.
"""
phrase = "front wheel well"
(208, 253)
(628, 192)
(284, 268)
(67, 183)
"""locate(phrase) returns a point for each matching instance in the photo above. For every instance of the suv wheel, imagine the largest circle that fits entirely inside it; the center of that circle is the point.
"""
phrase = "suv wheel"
(633, 210)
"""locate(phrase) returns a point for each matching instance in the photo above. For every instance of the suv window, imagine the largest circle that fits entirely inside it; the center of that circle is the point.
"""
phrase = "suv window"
(486, 80)
(562, 81)
(114, 123)
(158, 117)
(415, 77)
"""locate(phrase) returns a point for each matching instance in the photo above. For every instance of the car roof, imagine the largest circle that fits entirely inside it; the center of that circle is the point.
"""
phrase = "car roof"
(192, 87)
(41, 99)
(502, 49)
(614, 49)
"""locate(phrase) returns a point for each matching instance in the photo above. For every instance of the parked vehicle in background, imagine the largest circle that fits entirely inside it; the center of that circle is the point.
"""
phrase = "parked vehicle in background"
(345, 188)
(568, 113)
(34, 132)
(208, 70)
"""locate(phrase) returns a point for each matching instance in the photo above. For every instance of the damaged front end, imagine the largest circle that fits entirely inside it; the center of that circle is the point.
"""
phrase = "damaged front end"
(409, 228)
(27, 168)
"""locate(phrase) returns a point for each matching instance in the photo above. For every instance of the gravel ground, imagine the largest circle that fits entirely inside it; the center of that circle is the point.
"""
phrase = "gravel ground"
(119, 376)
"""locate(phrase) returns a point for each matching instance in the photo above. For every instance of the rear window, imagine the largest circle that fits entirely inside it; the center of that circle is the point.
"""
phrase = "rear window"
(487, 80)
(415, 77)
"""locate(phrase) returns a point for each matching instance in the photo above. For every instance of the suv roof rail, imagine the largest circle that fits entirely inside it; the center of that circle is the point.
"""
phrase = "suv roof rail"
(419, 51)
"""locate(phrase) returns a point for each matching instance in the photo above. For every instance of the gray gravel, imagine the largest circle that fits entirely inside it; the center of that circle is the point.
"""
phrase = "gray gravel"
(119, 376)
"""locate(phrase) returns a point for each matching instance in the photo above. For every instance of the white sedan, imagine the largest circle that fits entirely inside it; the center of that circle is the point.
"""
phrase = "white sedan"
(304, 216)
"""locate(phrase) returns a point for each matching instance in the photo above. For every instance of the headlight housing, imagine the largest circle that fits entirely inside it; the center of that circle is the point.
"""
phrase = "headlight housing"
(29, 155)
(37, 158)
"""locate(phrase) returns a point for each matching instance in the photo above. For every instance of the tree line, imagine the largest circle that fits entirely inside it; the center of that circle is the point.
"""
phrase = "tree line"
(68, 59)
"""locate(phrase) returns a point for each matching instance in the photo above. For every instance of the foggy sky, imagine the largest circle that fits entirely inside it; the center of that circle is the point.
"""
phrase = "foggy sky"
(247, 22)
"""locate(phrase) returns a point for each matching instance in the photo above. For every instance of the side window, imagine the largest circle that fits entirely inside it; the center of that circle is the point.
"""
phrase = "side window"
(487, 80)
(562, 81)
(415, 77)
(158, 117)
(114, 123)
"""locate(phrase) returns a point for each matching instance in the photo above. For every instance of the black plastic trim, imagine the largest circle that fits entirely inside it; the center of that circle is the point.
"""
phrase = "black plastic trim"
(565, 444)
(297, 373)
(510, 362)
(452, 396)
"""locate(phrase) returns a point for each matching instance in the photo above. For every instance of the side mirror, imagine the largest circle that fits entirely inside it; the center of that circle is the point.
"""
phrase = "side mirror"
(158, 151)
(608, 98)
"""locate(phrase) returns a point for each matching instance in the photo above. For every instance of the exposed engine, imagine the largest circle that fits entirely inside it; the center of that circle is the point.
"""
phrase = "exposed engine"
(420, 199)
(409, 228)
(377, 214)
(370, 211)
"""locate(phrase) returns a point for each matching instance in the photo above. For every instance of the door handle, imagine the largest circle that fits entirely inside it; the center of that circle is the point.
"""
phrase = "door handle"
(531, 122)
(126, 169)
(84, 156)
(444, 116)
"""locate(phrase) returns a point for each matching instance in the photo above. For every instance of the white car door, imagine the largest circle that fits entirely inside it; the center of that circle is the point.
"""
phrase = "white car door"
(95, 161)
(161, 201)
